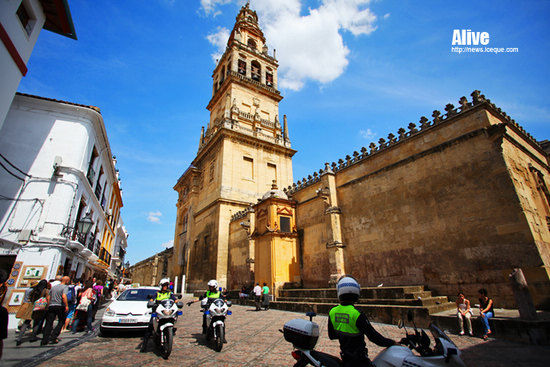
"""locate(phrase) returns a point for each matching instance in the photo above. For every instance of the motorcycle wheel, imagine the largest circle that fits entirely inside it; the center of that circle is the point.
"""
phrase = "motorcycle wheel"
(219, 338)
(167, 340)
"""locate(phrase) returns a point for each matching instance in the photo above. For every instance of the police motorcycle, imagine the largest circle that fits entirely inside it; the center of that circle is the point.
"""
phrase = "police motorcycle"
(164, 318)
(216, 311)
(303, 335)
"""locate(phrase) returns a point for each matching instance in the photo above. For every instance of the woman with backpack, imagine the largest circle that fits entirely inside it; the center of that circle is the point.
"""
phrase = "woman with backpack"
(85, 307)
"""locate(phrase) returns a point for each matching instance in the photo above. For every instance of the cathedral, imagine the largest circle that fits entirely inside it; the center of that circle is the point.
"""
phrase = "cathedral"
(452, 203)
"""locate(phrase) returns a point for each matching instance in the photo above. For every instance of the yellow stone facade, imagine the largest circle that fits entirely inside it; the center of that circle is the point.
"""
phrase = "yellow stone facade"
(454, 202)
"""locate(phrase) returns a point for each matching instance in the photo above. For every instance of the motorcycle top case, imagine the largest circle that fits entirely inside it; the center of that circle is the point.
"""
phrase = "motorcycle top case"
(301, 333)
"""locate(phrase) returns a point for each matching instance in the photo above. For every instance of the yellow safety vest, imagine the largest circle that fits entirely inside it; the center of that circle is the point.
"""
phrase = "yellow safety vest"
(161, 296)
(344, 319)
(212, 294)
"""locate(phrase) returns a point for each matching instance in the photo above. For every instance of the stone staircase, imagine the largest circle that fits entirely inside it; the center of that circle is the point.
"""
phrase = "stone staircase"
(381, 304)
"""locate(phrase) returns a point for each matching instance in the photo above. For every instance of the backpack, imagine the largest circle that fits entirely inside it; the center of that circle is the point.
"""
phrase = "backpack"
(71, 297)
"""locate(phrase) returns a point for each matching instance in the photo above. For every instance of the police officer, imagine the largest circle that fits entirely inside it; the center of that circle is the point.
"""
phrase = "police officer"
(163, 294)
(348, 325)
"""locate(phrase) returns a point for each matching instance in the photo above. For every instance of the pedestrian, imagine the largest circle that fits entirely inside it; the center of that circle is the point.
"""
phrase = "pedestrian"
(84, 310)
(72, 301)
(3, 311)
(243, 293)
(121, 287)
(57, 308)
(25, 312)
(463, 312)
(98, 291)
(265, 296)
(40, 297)
(257, 295)
(486, 311)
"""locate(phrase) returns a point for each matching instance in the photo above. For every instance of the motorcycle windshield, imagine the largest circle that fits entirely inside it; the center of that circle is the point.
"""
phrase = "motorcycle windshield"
(167, 303)
(219, 302)
(438, 333)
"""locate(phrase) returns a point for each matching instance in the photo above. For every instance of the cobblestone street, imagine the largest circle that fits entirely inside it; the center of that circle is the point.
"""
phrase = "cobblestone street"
(254, 340)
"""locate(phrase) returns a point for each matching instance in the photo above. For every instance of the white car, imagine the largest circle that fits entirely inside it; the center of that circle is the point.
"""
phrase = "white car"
(129, 310)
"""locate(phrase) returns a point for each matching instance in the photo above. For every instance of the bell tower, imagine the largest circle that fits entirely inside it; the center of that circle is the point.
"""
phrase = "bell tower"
(243, 148)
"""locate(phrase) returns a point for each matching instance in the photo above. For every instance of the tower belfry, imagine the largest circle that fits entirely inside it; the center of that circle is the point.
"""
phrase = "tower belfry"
(241, 151)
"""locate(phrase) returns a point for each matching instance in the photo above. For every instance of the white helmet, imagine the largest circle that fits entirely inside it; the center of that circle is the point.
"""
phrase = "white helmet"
(213, 283)
(348, 287)
(164, 281)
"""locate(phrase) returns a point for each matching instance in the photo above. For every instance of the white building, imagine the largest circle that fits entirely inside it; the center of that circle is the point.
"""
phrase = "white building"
(57, 171)
(20, 25)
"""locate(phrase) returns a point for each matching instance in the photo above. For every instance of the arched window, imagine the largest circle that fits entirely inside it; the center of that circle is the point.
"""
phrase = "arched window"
(242, 67)
(222, 75)
(256, 70)
(251, 43)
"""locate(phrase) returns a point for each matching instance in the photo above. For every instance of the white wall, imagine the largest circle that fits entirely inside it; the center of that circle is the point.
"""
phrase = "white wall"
(24, 43)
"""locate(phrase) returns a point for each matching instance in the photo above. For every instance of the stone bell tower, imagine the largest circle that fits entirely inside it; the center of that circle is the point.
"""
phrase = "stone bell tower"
(242, 150)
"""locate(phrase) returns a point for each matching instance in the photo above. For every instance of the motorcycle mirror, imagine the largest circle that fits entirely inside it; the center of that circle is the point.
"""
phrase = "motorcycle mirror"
(400, 324)
(450, 353)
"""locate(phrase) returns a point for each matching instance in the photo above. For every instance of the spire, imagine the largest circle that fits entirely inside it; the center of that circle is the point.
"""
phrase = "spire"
(201, 141)
(285, 129)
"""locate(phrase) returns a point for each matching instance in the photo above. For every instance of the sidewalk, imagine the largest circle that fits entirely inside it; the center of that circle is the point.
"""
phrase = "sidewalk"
(31, 354)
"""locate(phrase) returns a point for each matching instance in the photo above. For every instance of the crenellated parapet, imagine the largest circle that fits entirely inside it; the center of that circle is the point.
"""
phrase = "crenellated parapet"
(413, 130)
(241, 214)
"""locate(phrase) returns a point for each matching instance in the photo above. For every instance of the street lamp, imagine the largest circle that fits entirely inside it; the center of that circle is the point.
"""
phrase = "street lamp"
(84, 225)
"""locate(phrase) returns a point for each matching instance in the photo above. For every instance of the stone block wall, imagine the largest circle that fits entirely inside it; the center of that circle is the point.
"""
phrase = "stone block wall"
(452, 204)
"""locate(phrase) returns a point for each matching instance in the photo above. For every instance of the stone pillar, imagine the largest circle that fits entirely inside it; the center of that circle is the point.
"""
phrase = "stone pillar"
(251, 242)
(334, 246)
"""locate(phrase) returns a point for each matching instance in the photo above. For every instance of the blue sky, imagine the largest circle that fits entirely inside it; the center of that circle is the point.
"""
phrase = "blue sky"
(352, 71)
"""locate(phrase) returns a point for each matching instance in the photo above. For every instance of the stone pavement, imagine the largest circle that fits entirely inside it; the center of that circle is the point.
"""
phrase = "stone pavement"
(31, 354)
(254, 340)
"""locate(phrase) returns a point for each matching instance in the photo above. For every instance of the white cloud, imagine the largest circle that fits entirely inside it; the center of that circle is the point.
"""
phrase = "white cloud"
(219, 40)
(209, 6)
(310, 46)
(367, 134)
(167, 244)
(386, 16)
(154, 217)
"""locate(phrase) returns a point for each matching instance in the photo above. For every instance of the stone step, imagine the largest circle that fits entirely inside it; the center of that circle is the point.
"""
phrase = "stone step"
(388, 314)
(394, 292)
(426, 301)
(509, 328)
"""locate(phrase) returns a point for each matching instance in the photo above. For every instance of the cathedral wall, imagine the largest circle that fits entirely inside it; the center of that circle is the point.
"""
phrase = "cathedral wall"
(203, 253)
(238, 269)
(248, 171)
(531, 178)
(313, 227)
(439, 209)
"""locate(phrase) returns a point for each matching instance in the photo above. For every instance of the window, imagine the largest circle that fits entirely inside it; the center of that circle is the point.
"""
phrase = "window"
(25, 18)
(251, 43)
(284, 224)
(271, 173)
(222, 75)
(212, 165)
(248, 168)
(242, 67)
(269, 79)
(256, 70)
